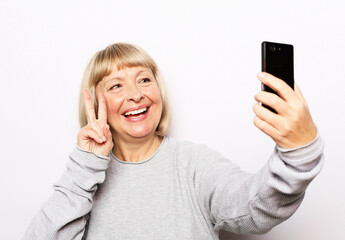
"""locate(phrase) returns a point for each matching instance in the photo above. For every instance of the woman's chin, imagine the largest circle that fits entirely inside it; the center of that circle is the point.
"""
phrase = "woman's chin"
(140, 132)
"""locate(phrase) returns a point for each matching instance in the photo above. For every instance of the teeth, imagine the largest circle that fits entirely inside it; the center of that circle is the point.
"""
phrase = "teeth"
(135, 112)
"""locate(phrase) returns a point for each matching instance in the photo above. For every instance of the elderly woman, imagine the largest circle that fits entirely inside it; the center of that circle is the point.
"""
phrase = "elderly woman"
(127, 180)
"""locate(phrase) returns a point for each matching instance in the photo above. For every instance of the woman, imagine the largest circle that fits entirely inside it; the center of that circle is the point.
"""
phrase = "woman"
(127, 180)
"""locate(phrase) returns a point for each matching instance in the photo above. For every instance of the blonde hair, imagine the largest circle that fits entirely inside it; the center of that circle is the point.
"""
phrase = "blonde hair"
(121, 55)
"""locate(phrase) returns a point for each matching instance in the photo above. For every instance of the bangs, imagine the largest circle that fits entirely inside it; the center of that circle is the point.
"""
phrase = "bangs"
(121, 56)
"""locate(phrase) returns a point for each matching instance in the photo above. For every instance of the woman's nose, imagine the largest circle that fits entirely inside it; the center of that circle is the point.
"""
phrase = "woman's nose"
(134, 94)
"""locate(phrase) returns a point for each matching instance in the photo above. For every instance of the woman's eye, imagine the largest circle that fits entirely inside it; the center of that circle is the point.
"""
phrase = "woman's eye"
(115, 86)
(144, 80)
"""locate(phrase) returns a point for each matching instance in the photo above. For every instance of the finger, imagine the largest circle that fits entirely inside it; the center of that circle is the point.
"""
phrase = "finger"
(299, 93)
(278, 85)
(265, 127)
(98, 137)
(102, 108)
(89, 108)
(97, 127)
(268, 116)
(273, 101)
(91, 134)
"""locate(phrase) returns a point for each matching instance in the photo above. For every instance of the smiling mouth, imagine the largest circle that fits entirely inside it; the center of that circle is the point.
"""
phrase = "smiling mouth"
(136, 113)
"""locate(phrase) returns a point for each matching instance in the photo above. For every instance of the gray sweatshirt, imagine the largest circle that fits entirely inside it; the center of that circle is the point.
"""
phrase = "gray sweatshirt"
(183, 191)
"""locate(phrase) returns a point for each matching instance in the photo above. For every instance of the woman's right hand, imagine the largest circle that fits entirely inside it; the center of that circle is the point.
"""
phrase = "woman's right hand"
(96, 136)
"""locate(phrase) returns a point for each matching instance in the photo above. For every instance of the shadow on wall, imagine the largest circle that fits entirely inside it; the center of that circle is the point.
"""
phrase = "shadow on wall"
(224, 235)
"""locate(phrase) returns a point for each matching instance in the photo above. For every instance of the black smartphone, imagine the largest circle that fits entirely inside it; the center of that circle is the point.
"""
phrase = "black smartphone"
(277, 59)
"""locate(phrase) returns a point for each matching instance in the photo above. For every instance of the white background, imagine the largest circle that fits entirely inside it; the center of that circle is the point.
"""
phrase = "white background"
(209, 54)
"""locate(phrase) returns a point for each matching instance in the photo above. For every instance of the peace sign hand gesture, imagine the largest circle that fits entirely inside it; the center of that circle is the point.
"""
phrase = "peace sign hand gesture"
(96, 136)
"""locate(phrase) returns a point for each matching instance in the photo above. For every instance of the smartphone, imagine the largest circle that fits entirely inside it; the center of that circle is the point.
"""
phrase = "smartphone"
(277, 59)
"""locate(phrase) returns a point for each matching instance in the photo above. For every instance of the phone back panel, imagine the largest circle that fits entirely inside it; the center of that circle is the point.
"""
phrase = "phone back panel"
(277, 59)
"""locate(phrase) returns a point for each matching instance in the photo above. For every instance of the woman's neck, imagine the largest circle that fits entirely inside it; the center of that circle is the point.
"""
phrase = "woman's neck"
(136, 150)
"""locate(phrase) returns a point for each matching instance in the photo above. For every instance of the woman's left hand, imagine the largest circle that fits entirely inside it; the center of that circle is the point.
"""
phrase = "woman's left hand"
(292, 126)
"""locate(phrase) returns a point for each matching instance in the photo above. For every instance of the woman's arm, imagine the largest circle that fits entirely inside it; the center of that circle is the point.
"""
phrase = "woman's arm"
(246, 203)
(240, 202)
(64, 214)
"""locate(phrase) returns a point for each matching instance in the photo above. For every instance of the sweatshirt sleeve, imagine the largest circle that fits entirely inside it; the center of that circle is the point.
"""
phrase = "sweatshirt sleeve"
(244, 203)
(64, 214)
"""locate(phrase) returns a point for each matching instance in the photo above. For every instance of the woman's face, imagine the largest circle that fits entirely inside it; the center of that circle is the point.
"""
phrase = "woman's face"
(134, 103)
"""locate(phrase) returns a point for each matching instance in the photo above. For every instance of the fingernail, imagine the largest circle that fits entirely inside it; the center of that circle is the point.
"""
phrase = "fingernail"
(104, 139)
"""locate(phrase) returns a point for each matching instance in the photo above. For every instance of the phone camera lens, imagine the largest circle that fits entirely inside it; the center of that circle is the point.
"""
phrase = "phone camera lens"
(272, 48)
